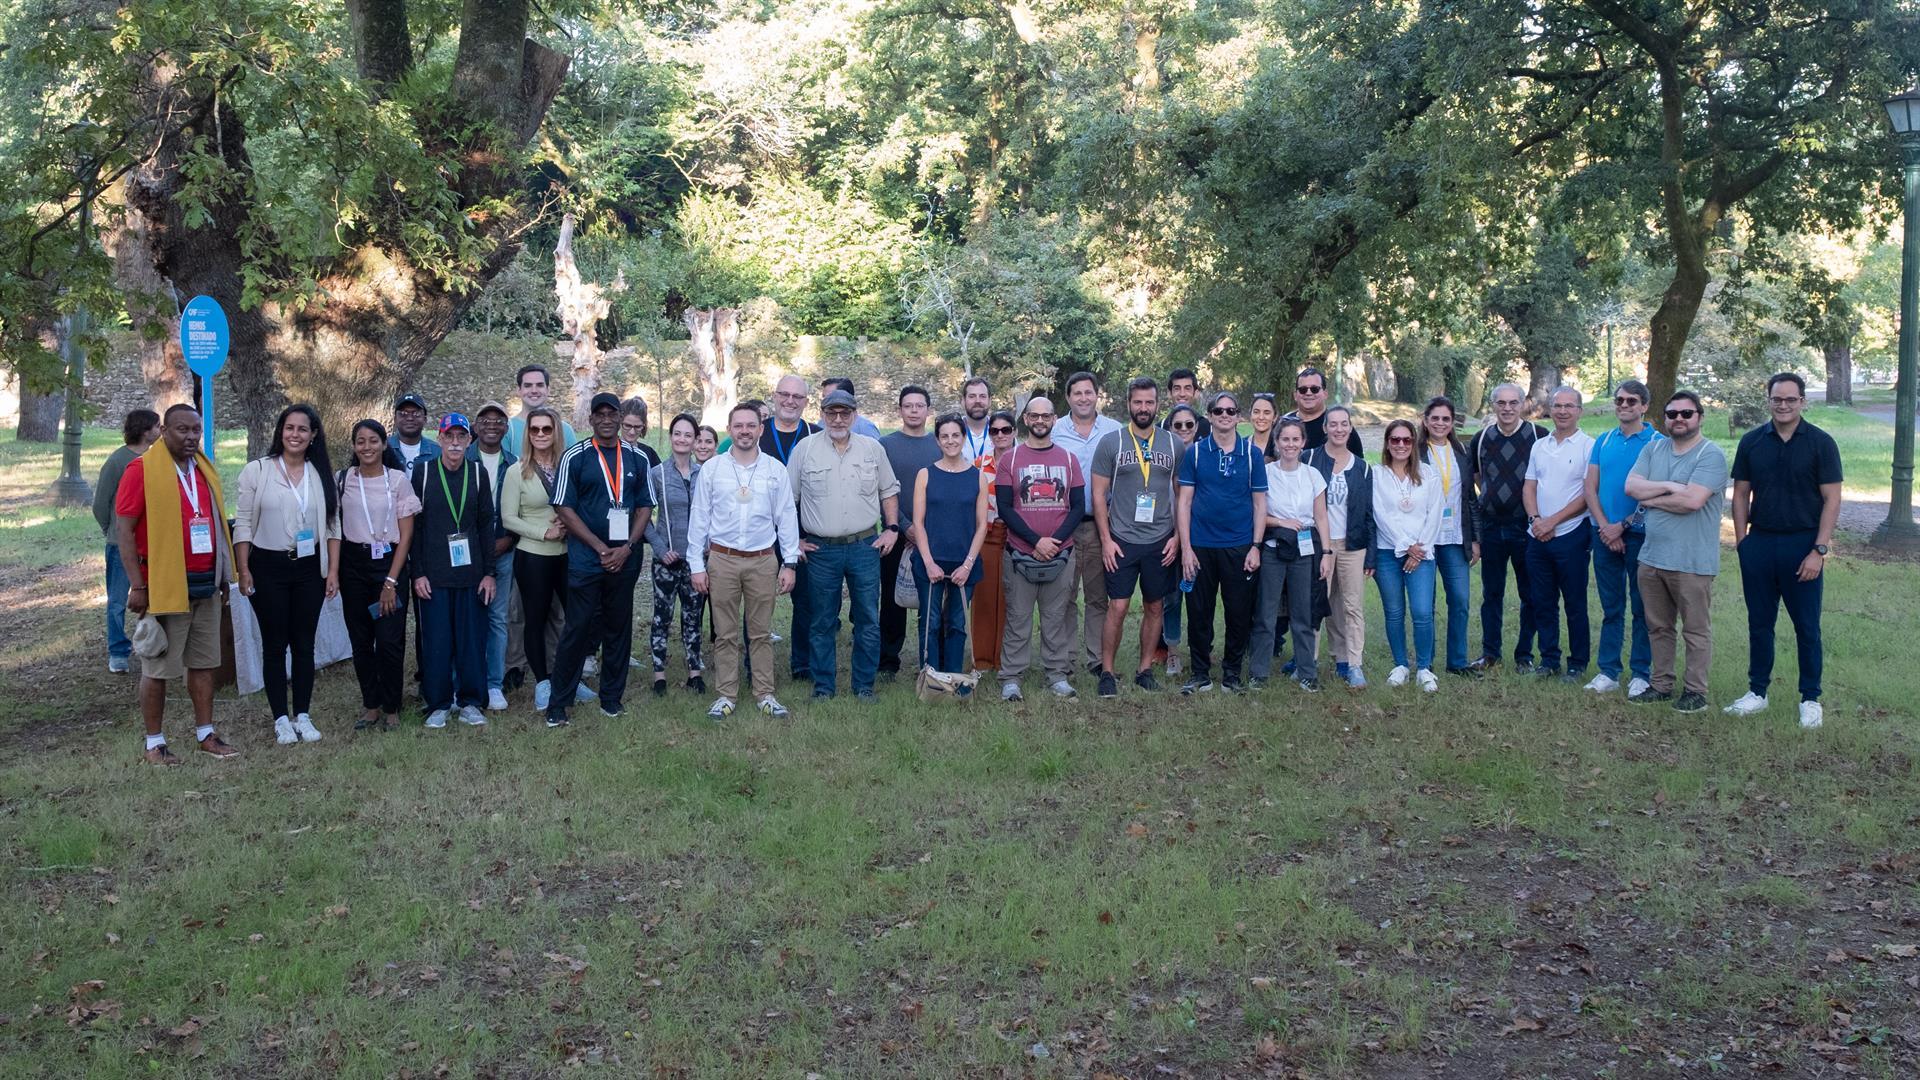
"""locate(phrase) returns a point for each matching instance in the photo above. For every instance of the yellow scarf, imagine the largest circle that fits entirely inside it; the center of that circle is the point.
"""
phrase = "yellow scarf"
(166, 540)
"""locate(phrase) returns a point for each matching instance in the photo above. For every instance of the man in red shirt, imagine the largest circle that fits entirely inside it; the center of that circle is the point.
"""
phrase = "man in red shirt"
(178, 572)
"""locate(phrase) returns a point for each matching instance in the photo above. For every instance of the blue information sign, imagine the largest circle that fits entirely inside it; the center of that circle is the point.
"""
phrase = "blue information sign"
(204, 340)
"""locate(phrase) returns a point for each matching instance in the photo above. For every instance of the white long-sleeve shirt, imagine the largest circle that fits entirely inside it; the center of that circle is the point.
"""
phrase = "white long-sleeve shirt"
(717, 515)
(1406, 513)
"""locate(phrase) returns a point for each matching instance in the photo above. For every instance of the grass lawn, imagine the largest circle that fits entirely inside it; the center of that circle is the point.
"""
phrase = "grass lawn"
(1504, 879)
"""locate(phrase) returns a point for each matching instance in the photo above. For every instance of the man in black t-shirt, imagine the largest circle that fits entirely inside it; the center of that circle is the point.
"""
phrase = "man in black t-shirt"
(1310, 408)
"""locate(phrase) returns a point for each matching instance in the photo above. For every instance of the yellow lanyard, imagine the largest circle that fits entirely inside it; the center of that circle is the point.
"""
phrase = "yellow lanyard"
(1444, 454)
(1145, 453)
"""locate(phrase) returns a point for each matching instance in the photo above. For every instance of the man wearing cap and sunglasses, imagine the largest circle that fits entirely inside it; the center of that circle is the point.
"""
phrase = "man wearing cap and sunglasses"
(600, 494)
(849, 519)
(1680, 482)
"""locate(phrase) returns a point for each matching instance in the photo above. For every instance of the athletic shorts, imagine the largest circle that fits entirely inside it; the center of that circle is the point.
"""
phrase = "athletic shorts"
(1141, 563)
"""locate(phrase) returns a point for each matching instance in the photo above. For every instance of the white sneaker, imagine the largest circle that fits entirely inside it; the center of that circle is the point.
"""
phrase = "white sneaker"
(1601, 684)
(584, 693)
(283, 732)
(303, 726)
(437, 719)
(1173, 664)
(773, 637)
(1398, 676)
(1010, 691)
(771, 706)
(720, 709)
(471, 716)
(496, 700)
(119, 665)
(1638, 686)
(1064, 689)
(1810, 716)
(1427, 681)
(542, 693)
(589, 666)
(1748, 704)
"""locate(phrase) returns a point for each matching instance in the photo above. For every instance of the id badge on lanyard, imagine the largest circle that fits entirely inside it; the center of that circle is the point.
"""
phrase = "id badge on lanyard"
(303, 544)
(1143, 506)
(199, 525)
(618, 516)
(1304, 538)
(617, 520)
(459, 550)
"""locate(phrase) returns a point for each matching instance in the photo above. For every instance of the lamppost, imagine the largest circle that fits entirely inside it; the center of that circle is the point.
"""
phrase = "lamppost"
(1899, 529)
(72, 489)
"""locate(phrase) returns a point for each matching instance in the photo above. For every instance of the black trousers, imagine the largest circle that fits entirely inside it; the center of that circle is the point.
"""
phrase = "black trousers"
(542, 580)
(379, 643)
(287, 594)
(893, 617)
(599, 614)
(1222, 575)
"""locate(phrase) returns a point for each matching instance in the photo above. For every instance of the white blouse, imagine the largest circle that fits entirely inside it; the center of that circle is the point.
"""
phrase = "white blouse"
(1406, 513)
(1291, 494)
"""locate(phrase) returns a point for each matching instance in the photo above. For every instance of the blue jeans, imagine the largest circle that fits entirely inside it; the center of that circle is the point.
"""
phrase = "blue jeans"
(1450, 560)
(1770, 576)
(857, 567)
(1170, 618)
(1559, 571)
(117, 583)
(497, 619)
(1501, 546)
(1399, 593)
(453, 639)
(943, 621)
(1616, 577)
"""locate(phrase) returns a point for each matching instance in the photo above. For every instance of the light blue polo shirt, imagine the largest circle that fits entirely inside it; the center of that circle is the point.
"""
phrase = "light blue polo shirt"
(1614, 454)
(1223, 483)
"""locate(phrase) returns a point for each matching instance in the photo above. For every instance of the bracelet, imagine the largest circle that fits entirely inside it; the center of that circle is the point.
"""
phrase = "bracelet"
(391, 584)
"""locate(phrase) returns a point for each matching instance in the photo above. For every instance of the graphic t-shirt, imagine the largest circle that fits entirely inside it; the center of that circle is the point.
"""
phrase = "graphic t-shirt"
(1042, 482)
(1138, 490)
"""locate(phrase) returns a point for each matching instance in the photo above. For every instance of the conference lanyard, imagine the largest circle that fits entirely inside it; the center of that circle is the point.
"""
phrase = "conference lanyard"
(981, 446)
(1145, 450)
(360, 481)
(460, 514)
(189, 486)
(1444, 463)
(299, 493)
(616, 477)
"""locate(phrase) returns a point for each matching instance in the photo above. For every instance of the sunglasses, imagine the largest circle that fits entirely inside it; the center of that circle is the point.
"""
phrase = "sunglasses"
(999, 431)
(1400, 440)
(1626, 401)
(1224, 410)
(1308, 389)
(1682, 414)
(543, 429)
(1185, 425)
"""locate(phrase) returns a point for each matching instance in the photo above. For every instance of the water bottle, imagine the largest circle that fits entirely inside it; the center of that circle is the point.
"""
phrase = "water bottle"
(1186, 583)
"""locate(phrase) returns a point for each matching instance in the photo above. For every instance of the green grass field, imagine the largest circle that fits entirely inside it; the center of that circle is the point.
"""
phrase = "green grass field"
(1504, 879)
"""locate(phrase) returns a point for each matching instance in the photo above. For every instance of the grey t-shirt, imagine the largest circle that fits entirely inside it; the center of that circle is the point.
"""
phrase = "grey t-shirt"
(908, 455)
(1117, 457)
(1685, 543)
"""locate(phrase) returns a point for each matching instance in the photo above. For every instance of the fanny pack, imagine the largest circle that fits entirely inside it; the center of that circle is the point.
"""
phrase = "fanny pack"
(1038, 571)
(200, 584)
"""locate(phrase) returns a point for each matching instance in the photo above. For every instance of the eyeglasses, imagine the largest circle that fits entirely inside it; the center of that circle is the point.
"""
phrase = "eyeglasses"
(1032, 416)
(1224, 410)
(1400, 440)
(1626, 401)
(999, 431)
(1682, 414)
(788, 395)
(1498, 404)
(1783, 400)
(1309, 389)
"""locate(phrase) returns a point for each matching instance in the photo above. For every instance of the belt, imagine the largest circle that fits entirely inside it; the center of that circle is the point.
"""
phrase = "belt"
(737, 553)
(837, 541)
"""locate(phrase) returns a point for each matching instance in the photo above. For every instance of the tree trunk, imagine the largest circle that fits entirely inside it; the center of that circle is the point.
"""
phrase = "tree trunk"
(713, 335)
(150, 310)
(1839, 373)
(1673, 320)
(582, 306)
(1542, 380)
(40, 416)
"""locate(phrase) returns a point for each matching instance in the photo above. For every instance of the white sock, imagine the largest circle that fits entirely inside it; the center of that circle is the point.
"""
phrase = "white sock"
(154, 741)
(203, 732)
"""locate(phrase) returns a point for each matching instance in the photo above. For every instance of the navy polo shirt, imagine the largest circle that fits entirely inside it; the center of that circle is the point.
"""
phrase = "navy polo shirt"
(1223, 483)
(580, 484)
(1786, 476)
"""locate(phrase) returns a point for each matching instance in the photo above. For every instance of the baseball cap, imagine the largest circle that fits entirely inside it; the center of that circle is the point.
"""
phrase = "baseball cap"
(611, 401)
(836, 399)
(410, 399)
(493, 406)
(455, 420)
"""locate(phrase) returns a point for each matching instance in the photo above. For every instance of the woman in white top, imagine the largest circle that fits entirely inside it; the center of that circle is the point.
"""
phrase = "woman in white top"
(1297, 555)
(1457, 548)
(1350, 536)
(377, 507)
(1406, 527)
(286, 540)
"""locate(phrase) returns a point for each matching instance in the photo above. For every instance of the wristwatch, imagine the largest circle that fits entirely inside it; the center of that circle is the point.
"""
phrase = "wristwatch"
(893, 528)
(1822, 549)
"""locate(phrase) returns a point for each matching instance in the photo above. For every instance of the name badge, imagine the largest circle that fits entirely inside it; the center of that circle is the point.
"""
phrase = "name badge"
(459, 550)
(200, 536)
(1446, 514)
(379, 548)
(1143, 508)
(303, 543)
(1305, 539)
(617, 518)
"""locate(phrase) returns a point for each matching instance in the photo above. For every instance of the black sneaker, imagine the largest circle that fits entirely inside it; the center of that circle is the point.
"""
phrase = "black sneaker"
(1522, 667)
(1146, 681)
(1543, 671)
(1310, 684)
(660, 687)
(1232, 685)
(1468, 672)
(1485, 662)
(1196, 686)
(1571, 676)
(823, 695)
(697, 684)
(1689, 702)
(1109, 687)
(1650, 696)
(557, 719)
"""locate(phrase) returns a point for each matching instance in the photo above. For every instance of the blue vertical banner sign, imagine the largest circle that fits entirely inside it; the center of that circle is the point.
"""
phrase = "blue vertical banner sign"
(204, 340)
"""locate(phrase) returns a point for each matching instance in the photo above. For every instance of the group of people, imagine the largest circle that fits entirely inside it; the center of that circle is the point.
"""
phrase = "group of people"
(517, 546)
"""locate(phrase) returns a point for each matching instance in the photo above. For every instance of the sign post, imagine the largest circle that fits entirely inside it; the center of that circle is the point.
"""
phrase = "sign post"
(204, 340)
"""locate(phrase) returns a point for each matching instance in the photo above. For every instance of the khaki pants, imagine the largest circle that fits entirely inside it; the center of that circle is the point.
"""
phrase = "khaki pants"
(1055, 600)
(1090, 580)
(1673, 597)
(1347, 626)
(733, 583)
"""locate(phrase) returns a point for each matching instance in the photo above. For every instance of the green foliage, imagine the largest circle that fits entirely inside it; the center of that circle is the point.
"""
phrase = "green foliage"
(1039, 318)
(1548, 305)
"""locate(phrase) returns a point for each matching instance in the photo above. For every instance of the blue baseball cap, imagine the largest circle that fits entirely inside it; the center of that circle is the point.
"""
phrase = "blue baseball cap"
(455, 420)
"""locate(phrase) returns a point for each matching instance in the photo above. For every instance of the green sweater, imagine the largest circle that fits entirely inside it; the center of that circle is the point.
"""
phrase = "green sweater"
(108, 486)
